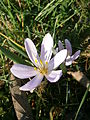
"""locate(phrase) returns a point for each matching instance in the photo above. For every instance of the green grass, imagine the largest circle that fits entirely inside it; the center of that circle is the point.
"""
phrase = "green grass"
(34, 18)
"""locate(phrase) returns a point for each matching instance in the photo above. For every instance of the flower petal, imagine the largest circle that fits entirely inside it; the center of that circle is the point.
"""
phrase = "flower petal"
(68, 61)
(68, 47)
(76, 55)
(57, 59)
(31, 51)
(32, 84)
(54, 76)
(46, 47)
(23, 71)
(72, 58)
(60, 45)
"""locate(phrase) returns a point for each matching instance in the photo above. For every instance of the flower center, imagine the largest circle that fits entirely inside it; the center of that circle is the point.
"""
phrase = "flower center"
(43, 68)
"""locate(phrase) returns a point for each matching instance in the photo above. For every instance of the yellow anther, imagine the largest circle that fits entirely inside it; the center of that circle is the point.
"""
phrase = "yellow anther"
(36, 60)
(35, 68)
(46, 63)
(41, 62)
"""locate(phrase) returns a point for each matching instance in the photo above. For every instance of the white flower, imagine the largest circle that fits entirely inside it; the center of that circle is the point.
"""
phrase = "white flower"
(43, 65)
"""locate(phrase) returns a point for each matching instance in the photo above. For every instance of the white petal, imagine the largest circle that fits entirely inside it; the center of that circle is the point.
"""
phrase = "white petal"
(32, 84)
(23, 71)
(60, 45)
(46, 47)
(31, 51)
(54, 76)
(57, 59)
(68, 47)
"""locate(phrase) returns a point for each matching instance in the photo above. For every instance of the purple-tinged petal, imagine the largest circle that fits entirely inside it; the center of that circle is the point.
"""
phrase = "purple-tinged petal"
(57, 59)
(60, 45)
(70, 59)
(76, 55)
(23, 71)
(32, 84)
(54, 76)
(46, 48)
(68, 47)
(31, 51)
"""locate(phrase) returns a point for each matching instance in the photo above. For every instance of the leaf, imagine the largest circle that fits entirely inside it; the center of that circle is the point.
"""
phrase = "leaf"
(12, 56)
(18, 48)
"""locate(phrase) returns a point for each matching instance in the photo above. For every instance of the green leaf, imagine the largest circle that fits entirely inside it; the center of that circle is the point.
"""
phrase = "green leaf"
(82, 101)
(12, 56)
(18, 48)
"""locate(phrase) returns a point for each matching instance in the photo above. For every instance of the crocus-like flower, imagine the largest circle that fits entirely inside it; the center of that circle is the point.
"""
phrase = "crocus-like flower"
(43, 65)
(70, 58)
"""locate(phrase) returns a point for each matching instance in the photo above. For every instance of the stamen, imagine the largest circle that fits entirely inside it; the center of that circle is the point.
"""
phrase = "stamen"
(42, 68)
(35, 68)
(36, 60)
(46, 63)
(41, 62)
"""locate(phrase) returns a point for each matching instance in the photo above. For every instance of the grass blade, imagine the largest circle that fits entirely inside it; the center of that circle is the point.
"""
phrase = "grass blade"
(48, 9)
(12, 56)
(18, 49)
(82, 101)
(12, 41)
(15, 45)
(9, 13)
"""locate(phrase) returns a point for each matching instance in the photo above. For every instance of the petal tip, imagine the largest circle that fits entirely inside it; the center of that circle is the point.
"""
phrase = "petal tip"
(48, 34)
(27, 40)
(68, 46)
(67, 42)
(23, 89)
(78, 51)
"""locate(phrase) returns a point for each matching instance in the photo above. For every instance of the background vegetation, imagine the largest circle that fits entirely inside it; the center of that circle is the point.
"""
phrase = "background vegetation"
(69, 19)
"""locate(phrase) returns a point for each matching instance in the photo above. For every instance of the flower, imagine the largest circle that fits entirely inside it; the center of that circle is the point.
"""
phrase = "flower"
(70, 58)
(43, 65)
